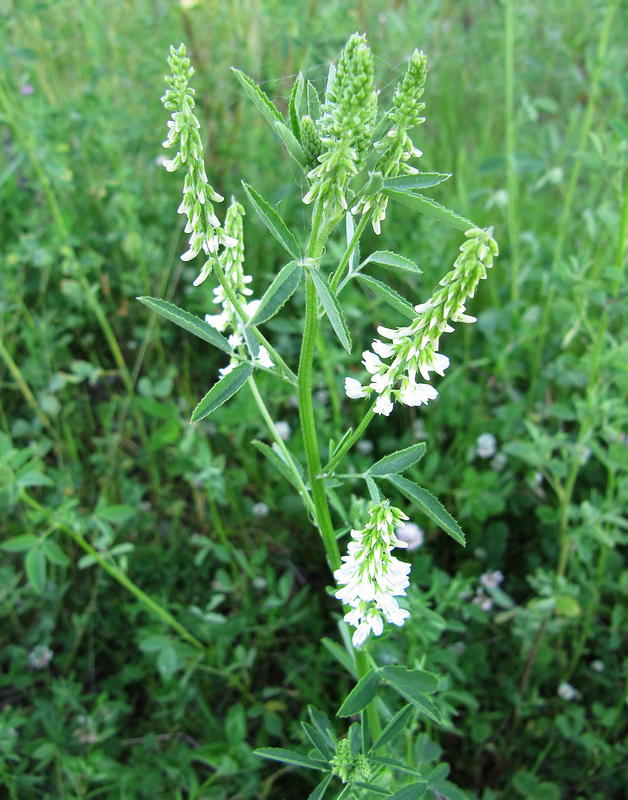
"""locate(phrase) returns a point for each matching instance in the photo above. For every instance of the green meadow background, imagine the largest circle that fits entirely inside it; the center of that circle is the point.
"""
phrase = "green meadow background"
(100, 697)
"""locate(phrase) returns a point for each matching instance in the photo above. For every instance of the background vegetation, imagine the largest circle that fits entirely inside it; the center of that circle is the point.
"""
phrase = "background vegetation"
(99, 698)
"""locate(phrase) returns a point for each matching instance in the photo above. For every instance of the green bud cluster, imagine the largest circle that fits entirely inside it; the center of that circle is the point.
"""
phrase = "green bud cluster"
(310, 142)
(207, 234)
(397, 148)
(347, 767)
(346, 123)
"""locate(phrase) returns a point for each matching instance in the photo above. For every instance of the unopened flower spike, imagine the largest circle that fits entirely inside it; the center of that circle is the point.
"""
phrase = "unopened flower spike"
(232, 263)
(413, 349)
(371, 577)
(207, 234)
(346, 124)
(397, 148)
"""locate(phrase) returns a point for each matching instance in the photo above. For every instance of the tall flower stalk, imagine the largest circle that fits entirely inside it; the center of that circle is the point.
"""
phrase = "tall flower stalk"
(344, 167)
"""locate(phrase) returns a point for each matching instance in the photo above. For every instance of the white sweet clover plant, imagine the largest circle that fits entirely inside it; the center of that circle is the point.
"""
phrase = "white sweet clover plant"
(355, 159)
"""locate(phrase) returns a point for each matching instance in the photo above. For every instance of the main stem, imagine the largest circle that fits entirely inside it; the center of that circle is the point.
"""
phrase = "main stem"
(308, 429)
(306, 406)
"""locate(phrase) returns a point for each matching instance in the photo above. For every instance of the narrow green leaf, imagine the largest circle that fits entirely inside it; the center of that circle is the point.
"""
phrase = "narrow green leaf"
(270, 217)
(288, 472)
(35, 566)
(411, 792)
(187, 321)
(292, 144)
(389, 295)
(54, 553)
(422, 702)
(320, 790)
(265, 106)
(289, 757)
(222, 391)
(374, 492)
(278, 293)
(429, 505)
(399, 461)
(361, 695)
(422, 180)
(371, 787)
(322, 724)
(350, 230)
(415, 680)
(341, 655)
(430, 208)
(332, 308)
(116, 513)
(394, 728)
(313, 102)
(317, 740)
(19, 544)
(392, 261)
(295, 105)
(395, 764)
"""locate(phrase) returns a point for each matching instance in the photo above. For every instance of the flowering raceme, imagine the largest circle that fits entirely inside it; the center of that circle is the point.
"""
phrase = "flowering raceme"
(414, 348)
(232, 263)
(371, 577)
(204, 226)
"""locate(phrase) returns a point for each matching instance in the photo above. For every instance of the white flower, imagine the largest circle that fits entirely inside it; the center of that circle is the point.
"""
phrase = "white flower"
(365, 446)
(354, 389)
(482, 600)
(283, 429)
(260, 510)
(39, 657)
(566, 691)
(414, 348)
(383, 405)
(411, 534)
(416, 394)
(263, 358)
(371, 362)
(492, 579)
(597, 665)
(486, 445)
(370, 577)
(499, 462)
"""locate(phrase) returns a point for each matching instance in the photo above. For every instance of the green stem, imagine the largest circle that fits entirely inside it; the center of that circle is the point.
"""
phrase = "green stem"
(25, 389)
(117, 574)
(308, 426)
(307, 500)
(349, 251)
(357, 434)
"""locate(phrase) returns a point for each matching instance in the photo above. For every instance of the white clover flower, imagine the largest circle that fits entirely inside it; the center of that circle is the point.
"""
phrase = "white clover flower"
(260, 510)
(486, 445)
(283, 429)
(413, 349)
(598, 665)
(566, 691)
(499, 462)
(411, 534)
(482, 600)
(371, 577)
(492, 579)
(39, 657)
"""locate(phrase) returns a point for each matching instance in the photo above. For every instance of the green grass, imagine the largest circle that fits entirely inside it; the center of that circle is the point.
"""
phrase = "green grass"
(524, 106)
